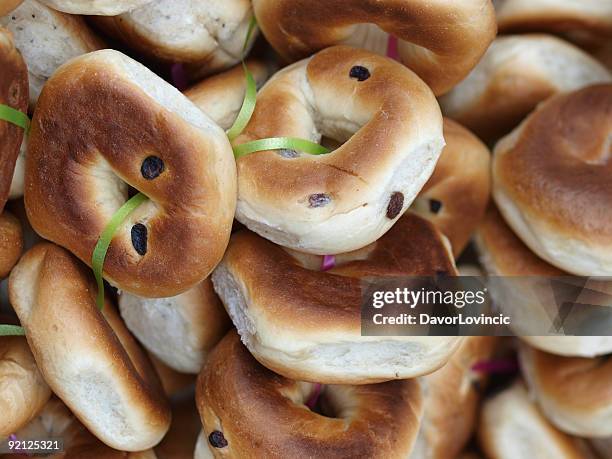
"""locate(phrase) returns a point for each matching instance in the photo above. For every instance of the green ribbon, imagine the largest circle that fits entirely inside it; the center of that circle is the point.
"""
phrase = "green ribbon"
(248, 106)
(99, 253)
(280, 143)
(11, 330)
(15, 117)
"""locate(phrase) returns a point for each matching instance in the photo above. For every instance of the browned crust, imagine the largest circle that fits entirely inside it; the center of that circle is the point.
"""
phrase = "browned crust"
(558, 167)
(189, 231)
(550, 20)
(462, 183)
(8, 5)
(261, 415)
(281, 289)
(14, 93)
(508, 254)
(11, 243)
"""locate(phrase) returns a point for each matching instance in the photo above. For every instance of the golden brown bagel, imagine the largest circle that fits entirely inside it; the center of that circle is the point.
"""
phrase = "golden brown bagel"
(221, 96)
(207, 35)
(512, 427)
(271, 420)
(451, 397)
(100, 373)
(14, 93)
(79, 167)
(23, 392)
(6, 6)
(95, 7)
(502, 253)
(516, 73)
(551, 181)
(279, 305)
(47, 38)
(574, 393)
(390, 127)
(456, 195)
(11, 242)
(440, 41)
(180, 330)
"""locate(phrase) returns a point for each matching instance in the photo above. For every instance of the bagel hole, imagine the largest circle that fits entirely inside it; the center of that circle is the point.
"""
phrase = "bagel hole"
(323, 405)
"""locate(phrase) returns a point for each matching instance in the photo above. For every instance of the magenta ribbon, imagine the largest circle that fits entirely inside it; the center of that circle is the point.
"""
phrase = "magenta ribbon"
(496, 366)
(329, 262)
(314, 396)
(393, 48)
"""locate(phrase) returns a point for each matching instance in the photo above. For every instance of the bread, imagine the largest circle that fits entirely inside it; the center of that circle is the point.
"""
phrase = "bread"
(11, 242)
(95, 7)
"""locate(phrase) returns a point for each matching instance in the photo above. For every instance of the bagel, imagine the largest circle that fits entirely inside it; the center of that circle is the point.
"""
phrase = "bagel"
(207, 35)
(23, 392)
(95, 7)
(346, 199)
(221, 96)
(502, 253)
(574, 393)
(511, 427)
(178, 330)
(180, 441)
(515, 74)
(551, 181)
(14, 93)
(11, 243)
(588, 16)
(78, 171)
(374, 421)
(47, 39)
(9, 5)
(99, 372)
(278, 303)
(455, 197)
(451, 397)
(56, 421)
(440, 41)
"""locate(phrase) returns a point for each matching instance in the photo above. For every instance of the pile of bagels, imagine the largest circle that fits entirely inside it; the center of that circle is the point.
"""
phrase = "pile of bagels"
(459, 138)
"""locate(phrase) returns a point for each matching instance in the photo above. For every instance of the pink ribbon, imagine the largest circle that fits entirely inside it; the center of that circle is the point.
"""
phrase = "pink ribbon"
(496, 366)
(329, 262)
(393, 48)
(314, 396)
(179, 77)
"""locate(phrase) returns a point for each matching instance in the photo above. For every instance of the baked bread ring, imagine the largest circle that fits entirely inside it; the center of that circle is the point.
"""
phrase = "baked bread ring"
(374, 421)
(221, 96)
(440, 41)
(179, 330)
(98, 371)
(551, 181)
(78, 170)
(278, 301)
(455, 197)
(451, 398)
(512, 427)
(530, 68)
(23, 392)
(9, 5)
(502, 253)
(11, 242)
(14, 93)
(56, 421)
(207, 35)
(47, 39)
(328, 204)
(95, 7)
(574, 393)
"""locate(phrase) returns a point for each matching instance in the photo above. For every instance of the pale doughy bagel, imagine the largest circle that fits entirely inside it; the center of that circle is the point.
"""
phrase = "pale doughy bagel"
(306, 324)
(207, 35)
(272, 420)
(503, 254)
(23, 392)
(515, 74)
(551, 181)
(587, 16)
(221, 96)
(14, 93)
(440, 40)
(79, 166)
(47, 39)
(512, 427)
(574, 393)
(341, 201)
(98, 371)
(56, 421)
(451, 397)
(11, 242)
(179, 330)
(95, 7)
(455, 197)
